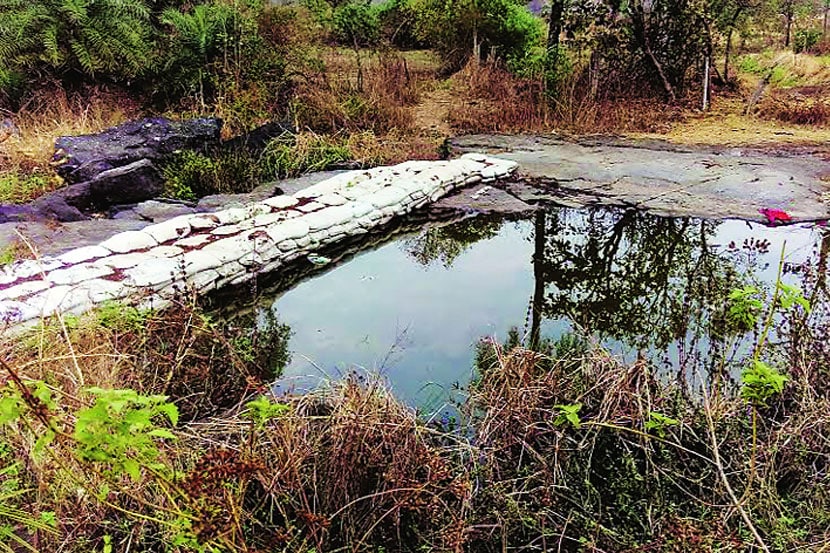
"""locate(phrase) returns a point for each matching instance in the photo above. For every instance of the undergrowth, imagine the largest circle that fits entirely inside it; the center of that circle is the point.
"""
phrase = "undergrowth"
(158, 431)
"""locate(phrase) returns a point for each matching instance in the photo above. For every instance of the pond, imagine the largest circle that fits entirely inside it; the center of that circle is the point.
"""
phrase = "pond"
(415, 308)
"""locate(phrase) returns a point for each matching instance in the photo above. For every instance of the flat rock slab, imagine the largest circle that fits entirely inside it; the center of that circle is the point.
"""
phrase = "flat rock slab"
(660, 177)
(483, 199)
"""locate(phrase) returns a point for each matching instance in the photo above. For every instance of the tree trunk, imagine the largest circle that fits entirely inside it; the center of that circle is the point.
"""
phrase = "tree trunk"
(706, 84)
(728, 51)
(557, 9)
(641, 33)
(789, 17)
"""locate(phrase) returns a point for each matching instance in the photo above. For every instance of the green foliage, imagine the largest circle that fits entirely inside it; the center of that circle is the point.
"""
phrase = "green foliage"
(789, 296)
(292, 155)
(9, 254)
(188, 175)
(504, 28)
(198, 39)
(216, 53)
(103, 38)
(356, 24)
(117, 316)
(556, 67)
(18, 189)
(806, 39)
(121, 430)
(744, 308)
(13, 516)
(659, 423)
(12, 85)
(263, 409)
(568, 414)
(398, 20)
(760, 383)
(750, 64)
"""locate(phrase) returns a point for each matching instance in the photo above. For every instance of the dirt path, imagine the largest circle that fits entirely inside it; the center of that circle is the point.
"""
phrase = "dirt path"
(430, 114)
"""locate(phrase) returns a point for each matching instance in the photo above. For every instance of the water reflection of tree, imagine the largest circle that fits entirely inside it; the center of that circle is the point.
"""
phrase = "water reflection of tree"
(446, 243)
(636, 278)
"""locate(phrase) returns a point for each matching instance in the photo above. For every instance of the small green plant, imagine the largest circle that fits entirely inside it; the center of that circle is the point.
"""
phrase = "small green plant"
(189, 175)
(568, 414)
(790, 296)
(263, 409)
(750, 64)
(121, 430)
(760, 383)
(659, 423)
(13, 252)
(117, 316)
(745, 308)
(13, 517)
(16, 188)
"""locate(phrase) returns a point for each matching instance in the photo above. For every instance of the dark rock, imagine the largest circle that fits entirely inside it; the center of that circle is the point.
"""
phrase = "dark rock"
(52, 207)
(257, 139)
(55, 207)
(16, 213)
(131, 183)
(81, 158)
(76, 195)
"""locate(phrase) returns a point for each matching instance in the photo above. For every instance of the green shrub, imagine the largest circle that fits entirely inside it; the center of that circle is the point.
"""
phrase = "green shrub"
(216, 55)
(504, 28)
(293, 155)
(398, 20)
(356, 25)
(805, 39)
(99, 38)
(189, 175)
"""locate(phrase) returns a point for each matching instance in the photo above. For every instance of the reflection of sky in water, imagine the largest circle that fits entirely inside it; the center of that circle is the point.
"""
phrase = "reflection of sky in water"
(418, 325)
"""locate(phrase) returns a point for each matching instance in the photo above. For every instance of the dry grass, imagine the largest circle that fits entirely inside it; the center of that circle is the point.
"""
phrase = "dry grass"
(613, 483)
(351, 468)
(25, 172)
(725, 124)
(488, 98)
(54, 113)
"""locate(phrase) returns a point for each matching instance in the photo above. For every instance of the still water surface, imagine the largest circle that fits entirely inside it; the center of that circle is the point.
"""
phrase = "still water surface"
(639, 285)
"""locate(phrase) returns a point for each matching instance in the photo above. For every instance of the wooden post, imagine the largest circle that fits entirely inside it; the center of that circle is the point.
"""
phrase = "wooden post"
(706, 83)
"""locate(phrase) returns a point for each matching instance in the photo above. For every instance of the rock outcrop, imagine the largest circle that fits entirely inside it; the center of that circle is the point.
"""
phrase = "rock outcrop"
(82, 158)
(197, 253)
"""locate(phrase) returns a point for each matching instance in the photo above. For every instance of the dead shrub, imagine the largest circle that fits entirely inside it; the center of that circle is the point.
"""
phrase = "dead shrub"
(352, 467)
(333, 102)
(805, 106)
(637, 459)
(491, 99)
(202, 365)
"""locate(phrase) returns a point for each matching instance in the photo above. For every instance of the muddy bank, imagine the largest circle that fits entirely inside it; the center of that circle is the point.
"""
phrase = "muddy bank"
(663, 178)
